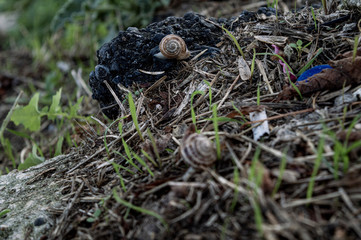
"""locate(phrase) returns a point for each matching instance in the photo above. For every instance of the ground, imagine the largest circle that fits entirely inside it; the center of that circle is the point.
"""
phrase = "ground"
(133, 178)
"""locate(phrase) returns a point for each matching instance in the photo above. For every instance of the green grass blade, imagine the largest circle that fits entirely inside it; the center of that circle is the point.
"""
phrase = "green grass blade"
(193, 114)
(235, 41)
(308, 64)
(253, 62)
(324, 5)
(120, 127)
(355, 48)
(8, 146)
(4, 212)
(239, 112)
(308, 44)
(215, 124)
(316, 167)
(282, 169)
(314, 17)
(139, 209)
(258, 217)
(235, 195)
(149, 157)
(122, 167)
(116, 168)
(256, 174)
(354, 145)
(275, 6)
(296, 89)
(59, 146)
(336, 157)
(7, 119)
(143, 163)
(352, 125)
(129, 155)
(5, 142)
(133, 112)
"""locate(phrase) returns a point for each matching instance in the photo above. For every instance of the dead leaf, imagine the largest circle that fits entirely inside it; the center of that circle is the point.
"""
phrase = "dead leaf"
(244, 70)
(345, 71)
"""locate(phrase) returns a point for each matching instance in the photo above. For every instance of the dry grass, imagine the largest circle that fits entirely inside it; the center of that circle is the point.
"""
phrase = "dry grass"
(225, 201)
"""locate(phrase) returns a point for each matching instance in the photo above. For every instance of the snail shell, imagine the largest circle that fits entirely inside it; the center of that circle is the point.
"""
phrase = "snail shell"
(173, 47)
(198, 151)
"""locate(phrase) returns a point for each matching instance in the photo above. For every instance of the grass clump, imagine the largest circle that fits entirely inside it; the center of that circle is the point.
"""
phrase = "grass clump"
(281, 171)
(216, 131)
(256, 177)
(316, 166)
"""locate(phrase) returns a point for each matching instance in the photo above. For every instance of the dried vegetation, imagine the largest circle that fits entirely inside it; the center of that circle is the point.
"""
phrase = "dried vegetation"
(110, 196)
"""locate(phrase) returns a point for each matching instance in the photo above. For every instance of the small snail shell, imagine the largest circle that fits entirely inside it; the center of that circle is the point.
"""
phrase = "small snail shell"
(198, 151)
(173, 47)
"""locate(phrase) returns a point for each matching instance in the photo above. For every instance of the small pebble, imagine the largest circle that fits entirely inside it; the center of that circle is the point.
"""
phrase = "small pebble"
(39, 221)
(101, 72)
(357, 95)
(345, 98)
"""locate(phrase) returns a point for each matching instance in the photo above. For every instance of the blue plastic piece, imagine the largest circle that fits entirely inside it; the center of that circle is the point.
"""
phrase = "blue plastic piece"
(312, 71)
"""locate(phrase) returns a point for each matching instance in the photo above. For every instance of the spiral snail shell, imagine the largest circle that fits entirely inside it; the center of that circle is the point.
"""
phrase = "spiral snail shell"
(173, 47)
(198, 151)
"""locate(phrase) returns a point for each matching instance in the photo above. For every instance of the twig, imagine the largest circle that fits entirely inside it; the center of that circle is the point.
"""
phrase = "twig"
(228, 92)
(122, 108)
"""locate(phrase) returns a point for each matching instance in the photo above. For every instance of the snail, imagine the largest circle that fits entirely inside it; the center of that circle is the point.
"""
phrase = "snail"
(173, 47)
(198, 151)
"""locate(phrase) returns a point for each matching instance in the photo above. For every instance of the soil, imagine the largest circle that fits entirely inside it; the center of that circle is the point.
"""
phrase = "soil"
(300, 180)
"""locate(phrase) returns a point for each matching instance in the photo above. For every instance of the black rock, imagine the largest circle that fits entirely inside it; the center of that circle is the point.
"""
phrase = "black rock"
(39, 221)
(247, 16)
(120, 59)
(268, 11)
